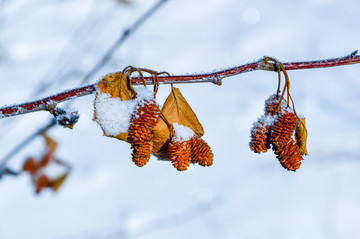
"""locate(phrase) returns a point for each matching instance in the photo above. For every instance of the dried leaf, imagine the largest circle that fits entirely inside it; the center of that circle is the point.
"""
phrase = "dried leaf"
(50, 143)
(175, 110)
(117, 85)
(42, 182)
(301, 136)
(30, 166)
(46, 159)
(57, 183)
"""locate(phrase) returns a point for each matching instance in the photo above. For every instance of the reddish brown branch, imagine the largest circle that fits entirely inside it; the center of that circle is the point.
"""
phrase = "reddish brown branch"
(215, 77)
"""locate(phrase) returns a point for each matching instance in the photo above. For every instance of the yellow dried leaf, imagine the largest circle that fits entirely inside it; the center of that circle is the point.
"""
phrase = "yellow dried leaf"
(117, 85)
(56, 184)
(301, 136)
(50, 143)
(175, 110)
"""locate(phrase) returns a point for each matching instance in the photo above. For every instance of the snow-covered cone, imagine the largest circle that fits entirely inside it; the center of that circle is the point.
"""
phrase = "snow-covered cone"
(201, 152)
(179, 154)
(289, 156)
(260, 142)
(271, 105)
(283, 130)
(141, 128)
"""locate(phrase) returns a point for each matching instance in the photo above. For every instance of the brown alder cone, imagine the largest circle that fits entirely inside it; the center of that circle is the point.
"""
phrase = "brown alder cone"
(271, 105)
(141, 129)
(179, 154)
(201, 152)
(282, 130)
(260, 142)
(289, 156)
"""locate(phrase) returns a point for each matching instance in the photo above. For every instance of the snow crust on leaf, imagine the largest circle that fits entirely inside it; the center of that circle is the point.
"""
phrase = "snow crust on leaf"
(182, 133)
(114, 114)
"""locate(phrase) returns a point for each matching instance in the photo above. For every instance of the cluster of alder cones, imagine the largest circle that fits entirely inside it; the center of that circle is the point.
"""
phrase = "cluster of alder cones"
(281, 128)
(151, 130)
(180, 151)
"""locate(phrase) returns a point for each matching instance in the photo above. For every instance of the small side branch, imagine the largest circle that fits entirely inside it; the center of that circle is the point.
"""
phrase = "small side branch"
(265, 63)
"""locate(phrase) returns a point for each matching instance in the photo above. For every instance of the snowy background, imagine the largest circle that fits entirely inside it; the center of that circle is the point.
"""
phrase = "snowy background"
(48, 46)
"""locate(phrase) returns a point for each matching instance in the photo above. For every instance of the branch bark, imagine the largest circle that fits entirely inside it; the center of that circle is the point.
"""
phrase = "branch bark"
(266, 63)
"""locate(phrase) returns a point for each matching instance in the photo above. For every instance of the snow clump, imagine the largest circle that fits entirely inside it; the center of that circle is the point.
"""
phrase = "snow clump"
(114, 114)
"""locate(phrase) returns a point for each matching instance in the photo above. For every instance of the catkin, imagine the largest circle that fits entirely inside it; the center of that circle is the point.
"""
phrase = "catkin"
(201, 152)
(179, 153)
(289, 156)
(271, 105)
(260, 138)
(282, 130)
(141, 128)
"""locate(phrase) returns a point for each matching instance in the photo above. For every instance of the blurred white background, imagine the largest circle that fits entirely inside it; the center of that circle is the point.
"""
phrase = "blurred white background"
(52, 44)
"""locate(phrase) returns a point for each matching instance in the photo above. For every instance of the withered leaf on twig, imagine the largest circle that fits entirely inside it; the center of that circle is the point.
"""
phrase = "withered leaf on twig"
(301, 136)
(175, 110)
(117, 85)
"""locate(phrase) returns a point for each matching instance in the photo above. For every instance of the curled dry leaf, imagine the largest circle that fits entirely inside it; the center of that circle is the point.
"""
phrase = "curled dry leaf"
(175, 110)
(301, 136)
(30, 166)
(58, 182)
(50, 143)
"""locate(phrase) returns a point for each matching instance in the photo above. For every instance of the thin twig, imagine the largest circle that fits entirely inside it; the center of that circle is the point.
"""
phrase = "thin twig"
(215, 77)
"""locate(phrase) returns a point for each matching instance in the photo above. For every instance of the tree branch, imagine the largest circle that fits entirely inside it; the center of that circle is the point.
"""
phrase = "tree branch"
(265, 63)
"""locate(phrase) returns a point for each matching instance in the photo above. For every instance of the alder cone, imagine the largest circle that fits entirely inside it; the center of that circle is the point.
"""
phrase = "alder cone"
(201, 152)
(289, 156)
(141, 129)
(271, 104)
(260, 142)
(282, 130)
(179, 154)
